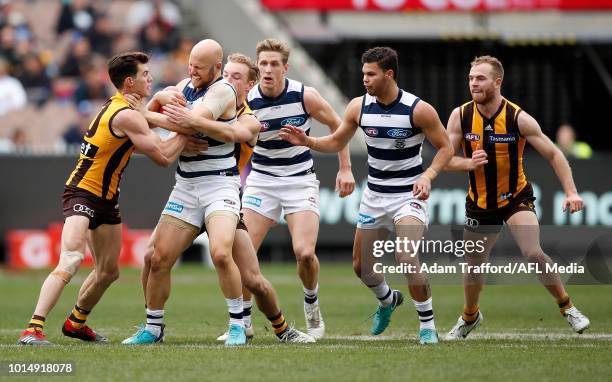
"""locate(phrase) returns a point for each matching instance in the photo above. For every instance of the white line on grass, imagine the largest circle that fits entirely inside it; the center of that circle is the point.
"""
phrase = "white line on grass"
(510, 335)
(515, 335)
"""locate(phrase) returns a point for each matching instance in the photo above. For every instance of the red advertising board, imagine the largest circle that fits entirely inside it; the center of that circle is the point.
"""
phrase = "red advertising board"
(35, 249)
(438, 5)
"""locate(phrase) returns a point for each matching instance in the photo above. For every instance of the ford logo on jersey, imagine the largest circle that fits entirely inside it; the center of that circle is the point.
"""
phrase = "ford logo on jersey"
(472, 137)
(293, 121)
(398, 133)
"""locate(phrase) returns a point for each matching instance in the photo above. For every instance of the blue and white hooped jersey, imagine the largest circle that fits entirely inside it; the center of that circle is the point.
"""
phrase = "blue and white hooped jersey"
(393, 142)
(220, 158)
(273, 156)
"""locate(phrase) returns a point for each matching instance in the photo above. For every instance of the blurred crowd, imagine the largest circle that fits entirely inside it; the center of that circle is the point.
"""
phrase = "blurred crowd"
(53, 76)
(53, 56)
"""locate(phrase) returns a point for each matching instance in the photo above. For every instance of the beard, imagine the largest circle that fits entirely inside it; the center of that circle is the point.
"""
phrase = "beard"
(207, 80)
(484, 97)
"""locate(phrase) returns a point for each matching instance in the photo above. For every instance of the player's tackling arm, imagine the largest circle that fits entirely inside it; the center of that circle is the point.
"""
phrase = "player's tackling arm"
(170, 96)
(244, 129)
(531, 130)
(460, 163)
(330, 143)
(220, 100)
(146, 141)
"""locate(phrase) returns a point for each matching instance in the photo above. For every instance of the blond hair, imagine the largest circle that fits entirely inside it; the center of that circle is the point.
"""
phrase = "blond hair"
(273, 45)
(240, 58)
(498, 68)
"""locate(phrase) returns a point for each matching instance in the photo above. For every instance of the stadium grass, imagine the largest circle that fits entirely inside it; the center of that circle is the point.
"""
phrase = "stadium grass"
(523, 336)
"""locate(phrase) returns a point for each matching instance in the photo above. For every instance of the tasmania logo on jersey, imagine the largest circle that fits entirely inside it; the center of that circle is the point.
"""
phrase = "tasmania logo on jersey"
(371, 131)
(471, 137)
(502, 138)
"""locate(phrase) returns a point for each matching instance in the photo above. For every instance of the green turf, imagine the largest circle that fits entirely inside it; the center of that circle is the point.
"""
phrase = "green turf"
(523, 336)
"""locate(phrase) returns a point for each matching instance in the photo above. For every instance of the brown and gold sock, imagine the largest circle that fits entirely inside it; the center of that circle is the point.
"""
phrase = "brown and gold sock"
(279, 324)
(470, 314)
(564, 304)
(78, 317)
(36, 322)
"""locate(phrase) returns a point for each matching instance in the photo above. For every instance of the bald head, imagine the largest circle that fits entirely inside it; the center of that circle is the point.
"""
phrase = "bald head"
(209, 49)
(205, 62)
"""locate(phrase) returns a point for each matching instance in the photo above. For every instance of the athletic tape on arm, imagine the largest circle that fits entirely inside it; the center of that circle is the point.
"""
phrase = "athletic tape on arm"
(217, 98)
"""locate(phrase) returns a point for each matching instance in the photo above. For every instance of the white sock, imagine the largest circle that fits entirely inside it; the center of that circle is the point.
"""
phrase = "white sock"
(246, 312)
(383, 293)
(155, 319)
(426, 314)
(310, 295)
(234, 306)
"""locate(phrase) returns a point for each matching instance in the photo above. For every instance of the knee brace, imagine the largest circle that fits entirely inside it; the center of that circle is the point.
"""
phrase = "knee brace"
(68, 265)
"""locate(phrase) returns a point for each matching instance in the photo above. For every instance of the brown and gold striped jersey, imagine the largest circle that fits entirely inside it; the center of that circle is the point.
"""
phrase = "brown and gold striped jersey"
(492, 185)
(104, 155)
(244, 150)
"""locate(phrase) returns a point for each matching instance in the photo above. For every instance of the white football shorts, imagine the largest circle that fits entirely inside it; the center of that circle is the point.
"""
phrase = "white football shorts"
(271, 196)
(193, 200)
(378, 210)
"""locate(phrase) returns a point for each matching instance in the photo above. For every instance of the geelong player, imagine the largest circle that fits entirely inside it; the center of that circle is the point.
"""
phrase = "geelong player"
(493, 132)
(206, 190)
(91, 197)
(282, 179)
(395, 124)
(243, 74)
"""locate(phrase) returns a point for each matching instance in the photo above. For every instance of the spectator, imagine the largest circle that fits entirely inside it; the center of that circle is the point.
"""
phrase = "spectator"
(78, 57)
(8, 44)
(15, 39)
(13, 17)
(20, 142)
(12, 93)
(91, 86)
(77, 15)
(566, 141)
(75, 132)
(15, 143)
(5, 9)
(182, 52)
(159, 35)
(142, 12)
(125, 42)
(102, 35)
(152, 40)
(35, 80)
(169, 75)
